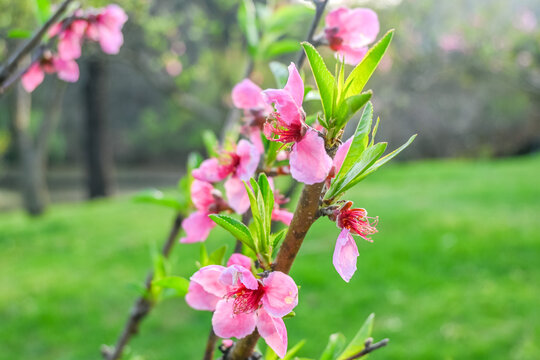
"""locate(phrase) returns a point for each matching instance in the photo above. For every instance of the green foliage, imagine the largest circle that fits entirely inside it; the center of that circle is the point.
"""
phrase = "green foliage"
(211, 143)
(217, 257)
(237, 229)
(154, 196)
(336, 343)
(247, 19)
(177, 285)
(19, 34)
(357, 343)
(43, 10)
(280, 73)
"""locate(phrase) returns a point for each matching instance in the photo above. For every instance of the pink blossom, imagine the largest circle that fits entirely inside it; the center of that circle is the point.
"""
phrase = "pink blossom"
(33, 77)
(67, 70)
(452, 42)
(70, 40)
(243, 303)
(350, 31)
(351, 221)
(207, 200)
(106, 27)
(309, 161)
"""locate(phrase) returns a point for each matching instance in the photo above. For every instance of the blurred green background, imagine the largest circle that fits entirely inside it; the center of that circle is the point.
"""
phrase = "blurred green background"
(453, 272)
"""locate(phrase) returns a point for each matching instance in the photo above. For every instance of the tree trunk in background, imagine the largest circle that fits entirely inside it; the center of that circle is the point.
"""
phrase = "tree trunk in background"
(34, 188)
(99, 160)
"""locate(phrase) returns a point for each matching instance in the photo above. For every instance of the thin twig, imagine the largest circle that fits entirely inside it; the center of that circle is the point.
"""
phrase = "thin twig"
(143, 305)
(210, 345)
(320, 5)
(369, 347)
(13, 62)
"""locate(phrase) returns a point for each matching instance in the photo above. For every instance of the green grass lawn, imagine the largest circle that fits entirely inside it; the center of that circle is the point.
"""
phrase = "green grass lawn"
(453, 273)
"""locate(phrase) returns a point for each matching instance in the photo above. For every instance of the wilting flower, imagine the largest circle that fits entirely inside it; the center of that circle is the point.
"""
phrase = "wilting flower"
(208, 201)
(246, 95)
(350, 31)
(308, 159)
(240, 163)
(241, 302)
(66, 70)
(351, 221)
(106, 27)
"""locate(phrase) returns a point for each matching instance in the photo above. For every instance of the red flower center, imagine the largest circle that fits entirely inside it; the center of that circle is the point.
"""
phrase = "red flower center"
(246, 300)
(286, 133)
(356, 221)
(334, 41)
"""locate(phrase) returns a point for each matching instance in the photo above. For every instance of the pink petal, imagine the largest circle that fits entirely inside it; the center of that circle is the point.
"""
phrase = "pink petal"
(360, 27)
(249, 159)
(286, 106)
(236, 273)
(201, 194)
(113, 16)
(282, 215)
(255, 138)
(197, 227)
(352, 56)
(333, 19)
(199, 299)
(341, 153)
(295, 85)
(309, 161)
(241, 260)
(67, 70)
(210, 170)
(280, 294)
(69, 46)
(55, 29)
(226, 324)
(32, 77)
(345, 255)
(247, 95)
(111, 40)
(273, 331)
(208, 278)
(237, 195)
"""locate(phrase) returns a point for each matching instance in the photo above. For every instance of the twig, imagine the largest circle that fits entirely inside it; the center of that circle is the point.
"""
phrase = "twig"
(369, 347)
(210, 345)
(13, 62)
(320, 5)
(143, 305)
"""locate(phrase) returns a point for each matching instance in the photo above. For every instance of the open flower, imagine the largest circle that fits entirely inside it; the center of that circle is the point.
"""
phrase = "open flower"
(241, 302)
(309, 161)
(66, 70)
(350, 31)
(207, 200)
(246, 95)
(241, 164)
(351, 221)
(70, 37)
(106, 28)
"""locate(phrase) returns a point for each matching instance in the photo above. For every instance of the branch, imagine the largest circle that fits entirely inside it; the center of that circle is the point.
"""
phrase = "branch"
(142, 305)
(210, 345)
(320, 5)
(13, 62)
(369, 347)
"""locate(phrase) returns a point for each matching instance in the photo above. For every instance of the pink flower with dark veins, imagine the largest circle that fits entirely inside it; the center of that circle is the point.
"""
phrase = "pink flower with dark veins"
(240, 163)
(351, 221)
(207, 200)
(242, 303)
(350, 31)
(106, 27)
(309, 161)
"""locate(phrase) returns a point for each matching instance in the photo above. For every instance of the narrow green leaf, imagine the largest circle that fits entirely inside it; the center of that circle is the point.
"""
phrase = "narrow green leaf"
(211, 143)
(217, 256)
(179, 284)
(247, 19)
(362, 72)
(203, 256)
(281, 20)
(19, 34)
(154, 196)
(278, 48)
(368, 158)
(268, 196)
(326, 83)
(236, 228)
(294, 350)
(374, 132)
(335, 345)
(276, 238)
(43, 10)
(357, 344)
(280, 73)
(349, 107)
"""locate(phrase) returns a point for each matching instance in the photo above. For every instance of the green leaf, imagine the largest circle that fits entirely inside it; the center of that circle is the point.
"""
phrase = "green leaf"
(236, 228)
(203, 257)
(217, 256)
(374, 132)
(357, 344)
(294, 350)
(194, 160)
(368, 158)
(281, 20)
(359, 143)
(154, 196)
(278, 48)
(247, 19)
(362, 72)
(326, 83)
(177, 283)
(43, 10)
(335, 345)
(268, 196)
(211, 143)
(276, 238)
(388, 157)
(281, 73)
(271, 153)
(19, 34)
(349, 107)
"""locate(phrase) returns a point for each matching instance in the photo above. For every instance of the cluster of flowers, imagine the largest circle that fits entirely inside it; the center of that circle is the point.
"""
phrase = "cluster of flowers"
(241, 300)
(100, 25)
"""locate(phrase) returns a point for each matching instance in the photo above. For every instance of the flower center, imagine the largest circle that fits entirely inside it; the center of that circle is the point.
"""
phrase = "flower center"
(334, 41)
(286, 133)
(356, 220)
(246, 300)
